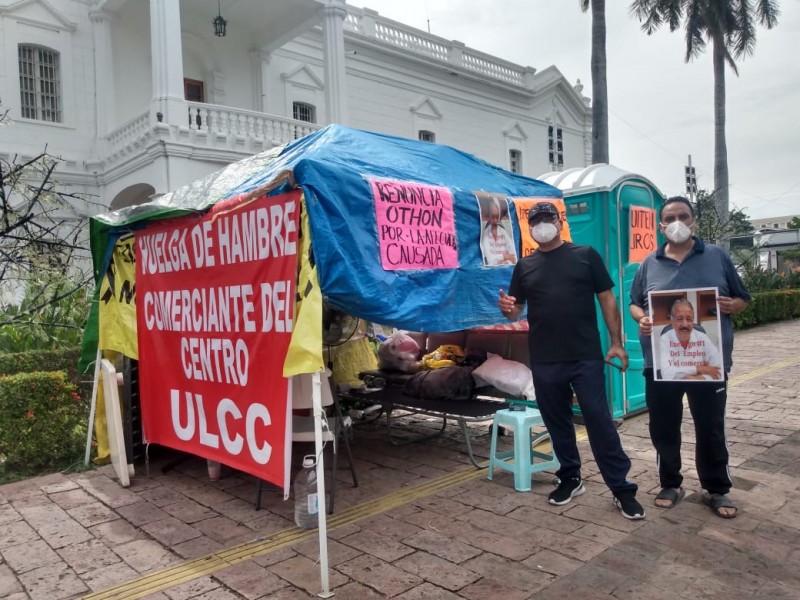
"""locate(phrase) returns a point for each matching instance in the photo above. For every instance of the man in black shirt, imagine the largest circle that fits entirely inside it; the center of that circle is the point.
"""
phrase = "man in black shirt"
(559, 282)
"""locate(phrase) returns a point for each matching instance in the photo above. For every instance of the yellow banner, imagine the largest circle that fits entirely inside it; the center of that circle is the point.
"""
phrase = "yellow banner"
(117, 328)
(305, 349)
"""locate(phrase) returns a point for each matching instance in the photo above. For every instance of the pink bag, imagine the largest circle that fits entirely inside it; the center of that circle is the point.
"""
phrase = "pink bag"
(400, 352)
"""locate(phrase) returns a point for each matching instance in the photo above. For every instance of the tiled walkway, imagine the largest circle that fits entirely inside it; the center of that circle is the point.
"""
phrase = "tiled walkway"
(426, 524)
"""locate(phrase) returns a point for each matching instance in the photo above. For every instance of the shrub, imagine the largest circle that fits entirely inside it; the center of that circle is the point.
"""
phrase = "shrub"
(42, 360)
(766, 307)
(51, 315)
(758, 279)
(42, 423)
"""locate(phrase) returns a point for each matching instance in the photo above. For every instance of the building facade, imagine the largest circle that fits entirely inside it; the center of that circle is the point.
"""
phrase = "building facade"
(773, 223)
(139, 97)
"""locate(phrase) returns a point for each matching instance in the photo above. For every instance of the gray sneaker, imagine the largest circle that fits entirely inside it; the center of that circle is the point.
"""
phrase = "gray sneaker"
(566, 491)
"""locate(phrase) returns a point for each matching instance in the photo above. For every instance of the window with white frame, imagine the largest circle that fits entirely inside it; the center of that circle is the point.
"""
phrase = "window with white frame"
(555, 147)
(303, 111)
(40, 83)
(426, 135)
(515, 161)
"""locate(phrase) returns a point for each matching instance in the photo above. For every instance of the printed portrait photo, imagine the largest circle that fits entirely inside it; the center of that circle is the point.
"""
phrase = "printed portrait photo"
(497, 236)
(686, 335)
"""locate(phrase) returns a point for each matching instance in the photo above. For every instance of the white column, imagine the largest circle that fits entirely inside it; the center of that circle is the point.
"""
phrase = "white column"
(103, 72)
(259, 59)
(334, 14)
(266, 101)
(167, 68)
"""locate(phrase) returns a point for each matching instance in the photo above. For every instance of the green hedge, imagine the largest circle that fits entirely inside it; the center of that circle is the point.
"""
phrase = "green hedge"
(767, 307)
(42, 424)
(42, 360)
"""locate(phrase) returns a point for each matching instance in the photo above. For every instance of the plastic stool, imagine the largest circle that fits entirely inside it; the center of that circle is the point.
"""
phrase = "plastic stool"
(523, 466)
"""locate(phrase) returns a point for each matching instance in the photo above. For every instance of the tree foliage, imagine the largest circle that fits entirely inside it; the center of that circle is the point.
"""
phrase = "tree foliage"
(794, 223)
(730, 26)
(714, 227)
(45, 261)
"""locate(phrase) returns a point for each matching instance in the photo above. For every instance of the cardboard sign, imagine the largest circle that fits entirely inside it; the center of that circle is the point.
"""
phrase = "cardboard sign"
(416, 228)
(642, 235)
(523, 207)
(215, 307)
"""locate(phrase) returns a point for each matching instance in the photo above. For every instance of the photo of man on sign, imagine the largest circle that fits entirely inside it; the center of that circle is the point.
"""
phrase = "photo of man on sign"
(686, 350)
(497, 236)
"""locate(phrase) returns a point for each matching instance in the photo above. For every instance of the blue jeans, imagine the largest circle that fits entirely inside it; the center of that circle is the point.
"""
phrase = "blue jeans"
(554, 384)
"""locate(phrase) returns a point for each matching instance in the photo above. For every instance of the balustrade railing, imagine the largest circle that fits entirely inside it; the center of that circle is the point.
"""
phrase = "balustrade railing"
(369, 23)
(222, 125)
(128, 133)
(239, 123)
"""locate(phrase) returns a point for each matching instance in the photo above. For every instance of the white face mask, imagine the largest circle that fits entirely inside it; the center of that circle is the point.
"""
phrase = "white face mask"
(677, 232)
(544, 232)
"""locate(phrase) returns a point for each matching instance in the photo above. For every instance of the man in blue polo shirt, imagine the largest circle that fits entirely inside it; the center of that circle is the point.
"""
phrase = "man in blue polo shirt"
(686, 262)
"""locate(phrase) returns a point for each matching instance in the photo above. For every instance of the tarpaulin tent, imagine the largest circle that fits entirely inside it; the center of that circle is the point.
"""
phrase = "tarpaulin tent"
(385, 229)
(336, 168)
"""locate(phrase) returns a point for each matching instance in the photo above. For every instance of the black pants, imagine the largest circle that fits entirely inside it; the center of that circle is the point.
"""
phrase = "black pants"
(554, 384)
(707, 402)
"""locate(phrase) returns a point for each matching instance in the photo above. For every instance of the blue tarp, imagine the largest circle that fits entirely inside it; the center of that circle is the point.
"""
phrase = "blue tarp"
(333, 166)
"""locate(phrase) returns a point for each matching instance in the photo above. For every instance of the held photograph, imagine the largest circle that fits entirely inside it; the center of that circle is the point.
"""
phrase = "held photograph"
(686, 335)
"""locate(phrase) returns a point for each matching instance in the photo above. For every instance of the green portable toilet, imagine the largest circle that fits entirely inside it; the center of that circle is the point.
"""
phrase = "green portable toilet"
(616, 212)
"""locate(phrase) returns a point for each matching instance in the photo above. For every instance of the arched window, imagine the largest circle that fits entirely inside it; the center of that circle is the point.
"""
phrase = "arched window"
(40, 83)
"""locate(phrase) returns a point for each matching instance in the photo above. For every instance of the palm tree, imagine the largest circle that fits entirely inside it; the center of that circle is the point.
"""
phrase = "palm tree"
(599, 81)
(730, 26)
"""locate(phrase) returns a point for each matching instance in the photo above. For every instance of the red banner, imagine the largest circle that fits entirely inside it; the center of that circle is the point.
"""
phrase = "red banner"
(215, 307)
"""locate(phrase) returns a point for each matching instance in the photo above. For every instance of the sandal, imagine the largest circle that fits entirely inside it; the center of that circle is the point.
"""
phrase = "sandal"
(716, 502)
(670, 495)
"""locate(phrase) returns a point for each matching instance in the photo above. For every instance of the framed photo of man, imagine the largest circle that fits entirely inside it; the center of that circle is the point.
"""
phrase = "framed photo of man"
(687, 335)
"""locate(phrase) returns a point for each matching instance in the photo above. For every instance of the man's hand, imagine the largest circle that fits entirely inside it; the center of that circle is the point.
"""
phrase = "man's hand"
(731, 306)
(706, 369)
(509, 258)
(508, 306)
(617, 351)
(645, 326)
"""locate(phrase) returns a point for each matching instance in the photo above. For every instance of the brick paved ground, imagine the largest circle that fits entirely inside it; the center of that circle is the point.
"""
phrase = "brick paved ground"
(68, 536)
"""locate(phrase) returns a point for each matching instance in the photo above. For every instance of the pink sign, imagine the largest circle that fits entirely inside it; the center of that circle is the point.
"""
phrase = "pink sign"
(416, 229)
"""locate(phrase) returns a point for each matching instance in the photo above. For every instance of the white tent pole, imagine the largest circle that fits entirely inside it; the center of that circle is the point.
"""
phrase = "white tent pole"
(93, 406)
(322, 512)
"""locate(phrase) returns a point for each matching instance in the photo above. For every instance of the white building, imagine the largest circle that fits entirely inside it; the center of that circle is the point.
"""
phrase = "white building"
(140, 96)
(772, 223)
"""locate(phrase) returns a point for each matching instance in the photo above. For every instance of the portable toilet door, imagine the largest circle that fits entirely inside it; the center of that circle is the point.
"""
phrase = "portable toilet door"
(616, 212)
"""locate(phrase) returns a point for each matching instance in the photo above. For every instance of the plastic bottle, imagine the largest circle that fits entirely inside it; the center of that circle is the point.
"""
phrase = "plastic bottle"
(306, 501)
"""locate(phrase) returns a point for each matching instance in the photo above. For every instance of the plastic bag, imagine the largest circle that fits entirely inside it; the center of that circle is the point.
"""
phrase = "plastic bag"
(399, 352)
(447, 355)
(508, 376)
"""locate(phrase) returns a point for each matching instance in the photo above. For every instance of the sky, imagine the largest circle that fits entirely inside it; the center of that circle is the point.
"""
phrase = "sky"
(661, 109)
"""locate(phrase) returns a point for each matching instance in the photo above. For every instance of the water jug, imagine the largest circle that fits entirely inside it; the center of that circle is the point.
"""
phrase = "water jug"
(306, 502)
